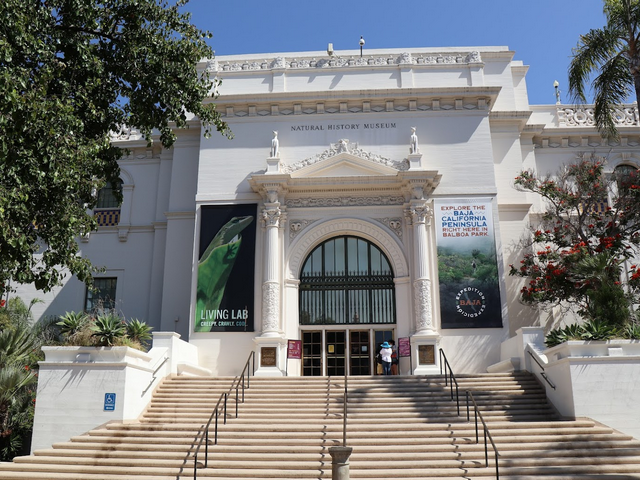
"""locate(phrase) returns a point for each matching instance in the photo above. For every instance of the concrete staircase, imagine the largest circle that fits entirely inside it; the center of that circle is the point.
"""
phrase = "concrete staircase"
(399, 428)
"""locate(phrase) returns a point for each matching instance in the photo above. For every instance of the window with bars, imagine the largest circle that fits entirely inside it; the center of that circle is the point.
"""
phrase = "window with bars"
(107, 211)
(347, 280)
(102, 296)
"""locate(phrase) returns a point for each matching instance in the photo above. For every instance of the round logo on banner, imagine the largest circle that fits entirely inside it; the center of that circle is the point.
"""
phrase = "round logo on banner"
(470, 302)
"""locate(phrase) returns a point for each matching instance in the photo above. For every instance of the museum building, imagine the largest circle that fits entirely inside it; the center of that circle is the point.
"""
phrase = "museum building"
(361, 199)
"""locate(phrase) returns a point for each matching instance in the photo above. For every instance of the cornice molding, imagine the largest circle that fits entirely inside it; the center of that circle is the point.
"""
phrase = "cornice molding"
(337, 61)
(467, 100)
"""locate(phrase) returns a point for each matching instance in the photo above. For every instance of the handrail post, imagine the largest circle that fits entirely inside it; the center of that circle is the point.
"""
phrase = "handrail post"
(467, 396)
(225, 408)
(216, 430)
(486, 450)
(236, 401)
(206, 448)
(476, 415)
(344, 413)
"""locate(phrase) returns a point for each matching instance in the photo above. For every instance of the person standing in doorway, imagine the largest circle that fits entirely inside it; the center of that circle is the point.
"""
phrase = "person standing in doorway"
(394, 357)
(385, 353)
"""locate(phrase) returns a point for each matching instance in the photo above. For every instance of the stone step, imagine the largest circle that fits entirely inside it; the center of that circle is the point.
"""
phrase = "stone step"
(400, 428)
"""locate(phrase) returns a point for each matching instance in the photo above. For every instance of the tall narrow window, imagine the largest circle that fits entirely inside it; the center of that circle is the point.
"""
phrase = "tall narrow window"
(107, 211)
(347, 280)
(625, 176)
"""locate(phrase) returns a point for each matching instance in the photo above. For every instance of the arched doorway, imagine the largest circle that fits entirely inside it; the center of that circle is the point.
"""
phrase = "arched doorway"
(346, 306)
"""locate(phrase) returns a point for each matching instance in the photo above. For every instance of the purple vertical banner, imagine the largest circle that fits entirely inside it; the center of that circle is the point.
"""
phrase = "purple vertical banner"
(294, 349)
(404, 347)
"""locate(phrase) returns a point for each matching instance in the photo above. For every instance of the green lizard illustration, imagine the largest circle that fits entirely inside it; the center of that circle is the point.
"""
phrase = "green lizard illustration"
(214, 268)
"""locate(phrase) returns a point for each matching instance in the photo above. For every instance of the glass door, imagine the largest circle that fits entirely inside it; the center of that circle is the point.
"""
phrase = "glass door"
(360, 352)
(312, 354)
(381, 336)
(335, 351)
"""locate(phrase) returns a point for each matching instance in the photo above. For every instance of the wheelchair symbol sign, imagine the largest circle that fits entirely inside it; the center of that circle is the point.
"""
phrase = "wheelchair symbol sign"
(109, 402)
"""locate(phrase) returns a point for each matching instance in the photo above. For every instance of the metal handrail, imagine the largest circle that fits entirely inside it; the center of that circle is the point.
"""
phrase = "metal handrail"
(153, 375)
(344, 413)
(205, 438)
(449, 375)
(542, 373)
(486, 434)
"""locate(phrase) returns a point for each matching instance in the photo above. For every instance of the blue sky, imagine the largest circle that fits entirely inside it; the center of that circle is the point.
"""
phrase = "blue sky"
(541, 32)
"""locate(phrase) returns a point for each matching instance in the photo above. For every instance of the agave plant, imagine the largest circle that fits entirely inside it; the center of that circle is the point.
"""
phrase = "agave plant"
(598, 330)
(631, 331)
(108, 328)
(72, 323)
(138, 331)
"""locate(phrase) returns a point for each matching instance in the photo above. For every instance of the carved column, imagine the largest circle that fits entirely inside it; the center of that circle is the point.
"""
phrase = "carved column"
(272, 217)
(420, 215)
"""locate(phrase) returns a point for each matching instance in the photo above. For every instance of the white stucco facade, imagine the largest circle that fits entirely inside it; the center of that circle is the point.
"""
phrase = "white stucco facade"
(345, 166)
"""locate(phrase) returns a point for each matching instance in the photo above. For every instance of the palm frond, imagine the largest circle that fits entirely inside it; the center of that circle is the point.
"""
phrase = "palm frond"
(612, 87)
(15, 345)
(594, 49)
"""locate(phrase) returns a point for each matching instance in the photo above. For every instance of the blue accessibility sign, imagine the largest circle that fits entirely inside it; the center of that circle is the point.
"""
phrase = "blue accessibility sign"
(109, 402)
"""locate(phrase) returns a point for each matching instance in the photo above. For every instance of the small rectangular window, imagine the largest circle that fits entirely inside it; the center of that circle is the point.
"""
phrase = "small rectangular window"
(102, 297)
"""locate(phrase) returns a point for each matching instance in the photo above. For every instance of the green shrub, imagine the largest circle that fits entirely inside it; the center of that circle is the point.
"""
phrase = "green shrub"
(139, 331)
(108, 328)
(72, 323)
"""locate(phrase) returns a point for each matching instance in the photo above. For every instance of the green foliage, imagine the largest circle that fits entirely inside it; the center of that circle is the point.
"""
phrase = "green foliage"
(19, 355)
(72, 323)
(576, 254)
(71, 74)
(612, 51)
(631, 331)
(590, 330)
(107, 329)
(139, 331)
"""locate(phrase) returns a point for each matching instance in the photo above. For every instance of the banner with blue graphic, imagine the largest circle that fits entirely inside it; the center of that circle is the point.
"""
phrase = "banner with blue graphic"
(467, 264)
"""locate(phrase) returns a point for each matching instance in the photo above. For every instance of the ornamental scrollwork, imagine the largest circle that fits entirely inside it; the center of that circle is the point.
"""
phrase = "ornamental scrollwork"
(270, 306)
(344, 201)
(585, 116)
(271, 216)
(344, 146)
(422, 294)
(419, 214)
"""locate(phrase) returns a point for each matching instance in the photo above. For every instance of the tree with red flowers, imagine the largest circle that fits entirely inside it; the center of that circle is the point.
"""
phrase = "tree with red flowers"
(589, 230)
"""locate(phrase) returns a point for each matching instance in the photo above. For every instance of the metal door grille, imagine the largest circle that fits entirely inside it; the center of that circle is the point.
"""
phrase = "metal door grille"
(347, 280)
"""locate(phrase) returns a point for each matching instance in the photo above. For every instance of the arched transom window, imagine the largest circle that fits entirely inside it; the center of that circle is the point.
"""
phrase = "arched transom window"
(347, 280)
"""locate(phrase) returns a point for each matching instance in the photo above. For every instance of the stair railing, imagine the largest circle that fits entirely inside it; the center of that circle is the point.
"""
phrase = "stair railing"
(449, 377)
(344, 413)
(486, 433)
(237, 384)
(543, 374)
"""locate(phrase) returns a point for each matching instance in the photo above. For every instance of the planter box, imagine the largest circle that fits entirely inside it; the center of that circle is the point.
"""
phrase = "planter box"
(593, 348)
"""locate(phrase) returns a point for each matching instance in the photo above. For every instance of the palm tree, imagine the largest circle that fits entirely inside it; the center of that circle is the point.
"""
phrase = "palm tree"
(614, 52)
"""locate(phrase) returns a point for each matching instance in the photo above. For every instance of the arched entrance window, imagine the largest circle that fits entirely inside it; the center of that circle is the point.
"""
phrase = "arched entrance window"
(347, 280)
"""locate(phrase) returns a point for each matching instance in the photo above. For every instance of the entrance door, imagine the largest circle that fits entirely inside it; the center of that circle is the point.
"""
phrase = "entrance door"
(312, 354)
(336, 352)
(360, 352)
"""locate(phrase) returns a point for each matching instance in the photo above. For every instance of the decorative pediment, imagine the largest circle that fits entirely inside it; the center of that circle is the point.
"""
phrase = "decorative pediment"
(345, 159)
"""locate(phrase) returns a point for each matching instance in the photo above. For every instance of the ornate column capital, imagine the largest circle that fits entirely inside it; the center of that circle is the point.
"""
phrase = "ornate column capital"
(419, 213)
(272, 215)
